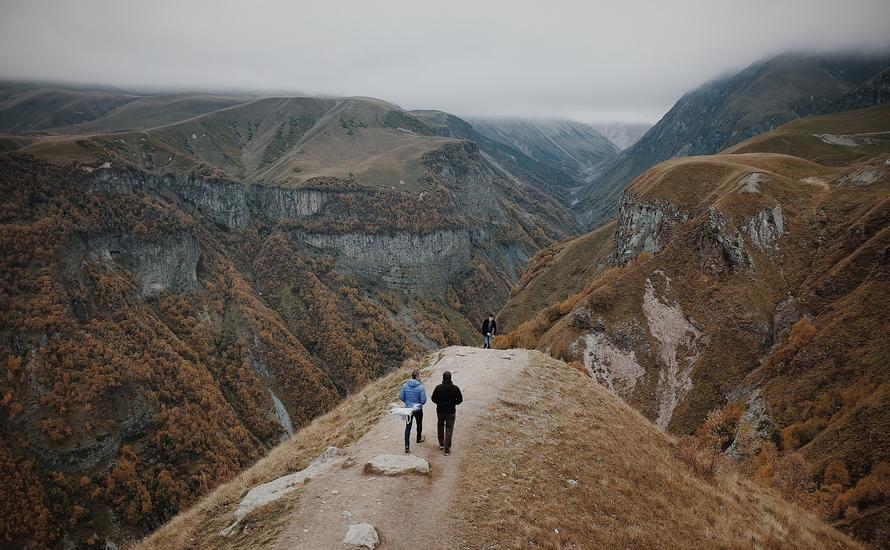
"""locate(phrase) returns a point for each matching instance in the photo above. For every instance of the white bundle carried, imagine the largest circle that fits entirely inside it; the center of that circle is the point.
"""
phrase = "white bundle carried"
(404, 412)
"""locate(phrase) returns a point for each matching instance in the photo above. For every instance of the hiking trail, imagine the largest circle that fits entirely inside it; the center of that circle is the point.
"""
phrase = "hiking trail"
(409, 510)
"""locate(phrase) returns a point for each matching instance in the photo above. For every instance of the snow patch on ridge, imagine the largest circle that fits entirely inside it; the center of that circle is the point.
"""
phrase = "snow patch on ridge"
(679, 345)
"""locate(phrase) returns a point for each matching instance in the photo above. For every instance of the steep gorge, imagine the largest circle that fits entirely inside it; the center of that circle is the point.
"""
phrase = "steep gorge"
(164, 329)
(753, 284)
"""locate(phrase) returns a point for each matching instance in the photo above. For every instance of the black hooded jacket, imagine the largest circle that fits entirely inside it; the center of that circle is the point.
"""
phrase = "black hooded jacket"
(489, 326)
(447, 396)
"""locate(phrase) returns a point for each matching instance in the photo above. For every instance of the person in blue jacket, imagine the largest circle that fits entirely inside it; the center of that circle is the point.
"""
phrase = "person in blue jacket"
(414, 397)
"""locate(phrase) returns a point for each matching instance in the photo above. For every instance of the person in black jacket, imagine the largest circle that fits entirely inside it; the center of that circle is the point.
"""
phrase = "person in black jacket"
(446, 396)
(489, 329)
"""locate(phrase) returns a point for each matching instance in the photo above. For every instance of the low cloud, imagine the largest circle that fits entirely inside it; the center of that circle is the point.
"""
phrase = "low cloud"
(579, 59)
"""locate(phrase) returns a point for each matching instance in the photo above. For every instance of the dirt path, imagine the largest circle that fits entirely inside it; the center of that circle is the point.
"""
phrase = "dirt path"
(407, 511)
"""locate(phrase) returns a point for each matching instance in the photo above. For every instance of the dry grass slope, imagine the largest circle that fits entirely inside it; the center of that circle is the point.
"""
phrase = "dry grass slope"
(563, 463)
(199, 526)
(554, 274)
(860, 134)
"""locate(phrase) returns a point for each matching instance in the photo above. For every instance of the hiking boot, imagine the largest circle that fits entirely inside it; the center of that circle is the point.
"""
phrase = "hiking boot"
(447, 452)
(441, 447)
(407, 450)
(421, 439)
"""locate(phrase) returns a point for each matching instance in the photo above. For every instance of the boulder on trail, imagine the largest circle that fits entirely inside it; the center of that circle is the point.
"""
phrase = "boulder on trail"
(362, 534)
(277, 488)
(394, 465)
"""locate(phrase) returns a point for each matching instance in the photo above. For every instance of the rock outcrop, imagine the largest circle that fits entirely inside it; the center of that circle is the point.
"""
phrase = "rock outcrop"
(643, 227)
(277, 488)
(405, 261)
(396, 465)
(754, 428)
(766, 228)
(363, 535)
(721, 247)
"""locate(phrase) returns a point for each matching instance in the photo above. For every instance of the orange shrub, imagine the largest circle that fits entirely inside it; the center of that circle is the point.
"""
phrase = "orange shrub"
(872, 489)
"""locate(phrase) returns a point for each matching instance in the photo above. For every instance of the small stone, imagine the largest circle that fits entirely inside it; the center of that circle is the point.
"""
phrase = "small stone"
(362, 534)
(394, 465)
(573, 482)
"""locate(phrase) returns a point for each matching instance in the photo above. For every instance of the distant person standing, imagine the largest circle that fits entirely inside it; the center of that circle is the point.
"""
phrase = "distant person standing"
(489, 329)
(446, 396)
(414, 396)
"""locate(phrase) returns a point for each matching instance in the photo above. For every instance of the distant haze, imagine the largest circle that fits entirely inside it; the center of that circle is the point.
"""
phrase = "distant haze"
(585, 60)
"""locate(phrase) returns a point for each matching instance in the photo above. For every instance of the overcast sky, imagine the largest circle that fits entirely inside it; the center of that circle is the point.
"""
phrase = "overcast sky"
(588, 60)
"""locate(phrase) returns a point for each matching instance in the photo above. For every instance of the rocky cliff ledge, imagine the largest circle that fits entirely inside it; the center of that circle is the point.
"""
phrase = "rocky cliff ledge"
(405, 261)
(643, 227)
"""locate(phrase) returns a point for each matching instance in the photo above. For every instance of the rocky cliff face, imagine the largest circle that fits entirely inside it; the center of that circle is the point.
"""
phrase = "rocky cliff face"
(404, 261)
(643, 227)
(721, 247)
(230, 204)
(766, 228)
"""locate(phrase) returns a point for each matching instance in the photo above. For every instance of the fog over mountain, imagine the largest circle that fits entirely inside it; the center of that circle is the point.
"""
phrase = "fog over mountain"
(591, 61)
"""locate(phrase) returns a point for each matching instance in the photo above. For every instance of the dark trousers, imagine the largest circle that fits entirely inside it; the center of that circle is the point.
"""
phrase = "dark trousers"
(419, 416)
(445, 428)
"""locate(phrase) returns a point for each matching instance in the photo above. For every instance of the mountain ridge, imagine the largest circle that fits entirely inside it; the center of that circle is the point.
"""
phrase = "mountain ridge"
(238, 272)
(526, 464)
(573, 147)
(743, 288)
(728, 110)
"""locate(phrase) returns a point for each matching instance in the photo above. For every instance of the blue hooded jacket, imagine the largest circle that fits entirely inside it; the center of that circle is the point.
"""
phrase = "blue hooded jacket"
(413, 394)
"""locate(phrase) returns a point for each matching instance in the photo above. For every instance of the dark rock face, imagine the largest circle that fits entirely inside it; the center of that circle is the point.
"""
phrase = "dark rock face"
(787, 313)
(872, 92)
(404, 261)
(720, 247)
(167, 263)
(225, 202)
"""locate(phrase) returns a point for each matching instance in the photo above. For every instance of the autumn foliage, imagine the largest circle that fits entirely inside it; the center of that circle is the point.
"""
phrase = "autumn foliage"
(119, 410)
